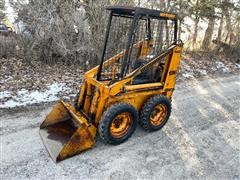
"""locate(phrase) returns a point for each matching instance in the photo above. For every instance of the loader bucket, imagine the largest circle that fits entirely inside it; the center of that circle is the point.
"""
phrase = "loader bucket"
(66, 132)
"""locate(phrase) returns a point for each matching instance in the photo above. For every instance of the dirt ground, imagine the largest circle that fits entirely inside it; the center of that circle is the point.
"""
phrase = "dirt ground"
(200, 141)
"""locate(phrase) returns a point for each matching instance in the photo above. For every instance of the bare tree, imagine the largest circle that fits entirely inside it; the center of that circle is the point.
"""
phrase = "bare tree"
(2, 8)
(72, 31)
(53, 30)
(196, 13)
(208, 11)
(97, 19)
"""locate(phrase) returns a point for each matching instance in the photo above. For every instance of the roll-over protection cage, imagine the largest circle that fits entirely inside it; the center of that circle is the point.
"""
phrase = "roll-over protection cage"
(127, 29)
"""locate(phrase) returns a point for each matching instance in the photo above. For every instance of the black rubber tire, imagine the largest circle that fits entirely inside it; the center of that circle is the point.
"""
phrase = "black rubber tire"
(147, 109)
(109, 115)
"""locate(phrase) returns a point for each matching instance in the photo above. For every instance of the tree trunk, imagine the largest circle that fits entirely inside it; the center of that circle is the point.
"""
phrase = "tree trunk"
(180, 4)
(180, 29)
(238, 33)
(196, 22)
(2, 9)
(167, 33)
(228, 26)
(162, 5)
(208, 34)
(139, 2)
(219, 37)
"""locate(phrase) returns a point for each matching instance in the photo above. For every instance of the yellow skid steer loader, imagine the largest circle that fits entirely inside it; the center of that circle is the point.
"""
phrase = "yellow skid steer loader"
(133, 84)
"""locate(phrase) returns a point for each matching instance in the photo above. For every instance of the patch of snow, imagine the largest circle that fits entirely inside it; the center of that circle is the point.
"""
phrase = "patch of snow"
(188, 68)
(226, 69)
(238, 65)
(219, 64)
(25, 97)
(150, 56)
(5, 94)
(214, 69)
(188, 75)
(202, 71)
(222, 66)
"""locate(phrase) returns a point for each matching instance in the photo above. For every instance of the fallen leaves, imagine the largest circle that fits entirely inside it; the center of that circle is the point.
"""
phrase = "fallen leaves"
(16, 75)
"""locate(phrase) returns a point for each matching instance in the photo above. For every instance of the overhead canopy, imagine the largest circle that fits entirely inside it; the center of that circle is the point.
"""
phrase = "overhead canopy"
(144, 12)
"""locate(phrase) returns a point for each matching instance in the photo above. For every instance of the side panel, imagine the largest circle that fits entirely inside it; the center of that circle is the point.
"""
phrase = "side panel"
(137, 99)
(170, 80)
(81, 93)
(121, 91)
(87, 98)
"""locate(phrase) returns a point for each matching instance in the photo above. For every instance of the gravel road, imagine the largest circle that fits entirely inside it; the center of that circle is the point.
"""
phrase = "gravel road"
(201, 140)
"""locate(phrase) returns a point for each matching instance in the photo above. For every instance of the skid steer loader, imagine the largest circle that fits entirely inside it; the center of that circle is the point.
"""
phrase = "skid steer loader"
(133, 84)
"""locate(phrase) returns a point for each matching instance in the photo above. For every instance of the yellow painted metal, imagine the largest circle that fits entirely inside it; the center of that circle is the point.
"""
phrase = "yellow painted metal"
(58, 114)
(80, 141)
(135, 98)
(146, 48)
(165, 70)
(81, 93)
(173, 67)
(66, 132)
(87, 98)
(168, 15)
(94, 102)
(141, 87)
(135, 101)
(158, 115)
(121, 124)
(101, 104)
(79, 128)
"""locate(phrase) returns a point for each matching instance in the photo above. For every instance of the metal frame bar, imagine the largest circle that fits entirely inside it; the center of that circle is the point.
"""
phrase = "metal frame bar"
(105, 46)
(131, 37)
(139, 14)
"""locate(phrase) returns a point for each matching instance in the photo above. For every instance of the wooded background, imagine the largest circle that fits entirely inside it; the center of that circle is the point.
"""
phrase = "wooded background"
(72, 31)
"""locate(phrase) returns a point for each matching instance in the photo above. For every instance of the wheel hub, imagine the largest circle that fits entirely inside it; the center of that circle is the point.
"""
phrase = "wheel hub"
(158, 115)
(121, 124)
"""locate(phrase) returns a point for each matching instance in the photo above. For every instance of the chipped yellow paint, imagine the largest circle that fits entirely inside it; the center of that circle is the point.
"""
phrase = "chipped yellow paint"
(168, 15)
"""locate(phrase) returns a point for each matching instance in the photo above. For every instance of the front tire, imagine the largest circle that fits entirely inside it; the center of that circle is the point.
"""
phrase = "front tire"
(155, 113)
(118, 123)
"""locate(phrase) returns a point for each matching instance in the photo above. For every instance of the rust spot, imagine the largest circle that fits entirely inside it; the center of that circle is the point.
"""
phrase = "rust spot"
(172, 73)
(76, 139)
(61, 131)
(169, 89)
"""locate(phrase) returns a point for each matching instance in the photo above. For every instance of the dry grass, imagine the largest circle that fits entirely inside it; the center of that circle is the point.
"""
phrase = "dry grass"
(8, 46)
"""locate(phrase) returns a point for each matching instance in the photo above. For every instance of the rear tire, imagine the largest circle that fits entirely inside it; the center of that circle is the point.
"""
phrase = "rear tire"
(118, 123)
(155, 113)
